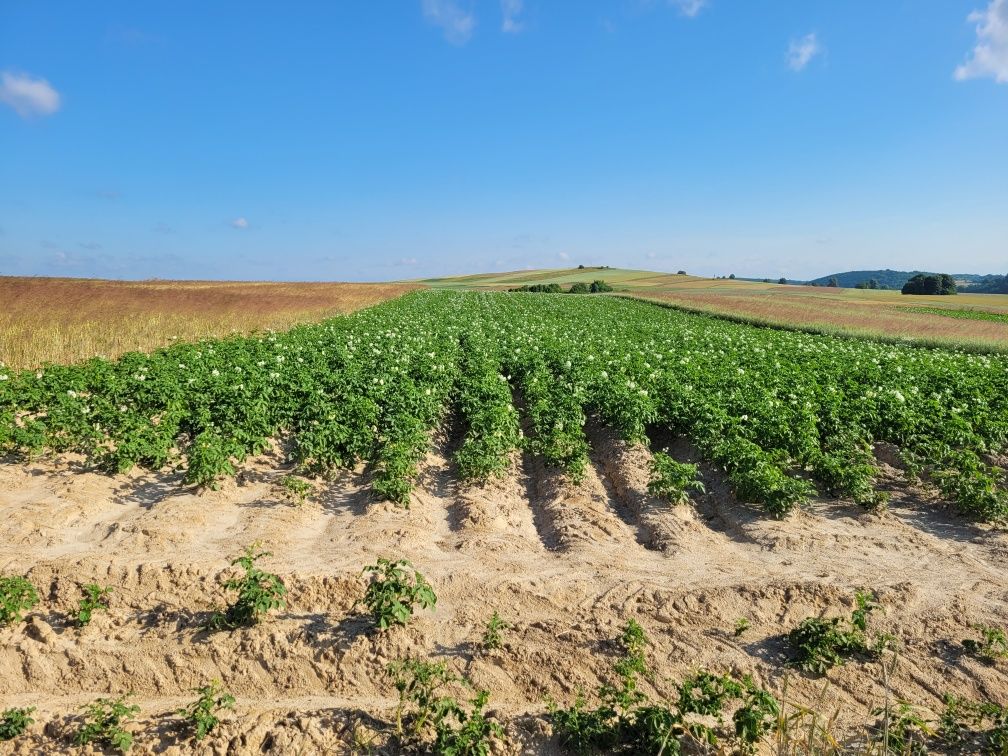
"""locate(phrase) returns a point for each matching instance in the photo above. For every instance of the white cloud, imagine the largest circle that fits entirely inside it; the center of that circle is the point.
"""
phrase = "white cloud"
(689, 8)
(456, 23)
(239, 223)
(512, 10)
(27, 95)
(990, 55)
(563, 255)
(801, 51)
(406, 261)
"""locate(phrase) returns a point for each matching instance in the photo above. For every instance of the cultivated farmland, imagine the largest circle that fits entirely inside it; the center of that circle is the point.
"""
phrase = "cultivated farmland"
(886, 315)
(65, 320)
(673, 514)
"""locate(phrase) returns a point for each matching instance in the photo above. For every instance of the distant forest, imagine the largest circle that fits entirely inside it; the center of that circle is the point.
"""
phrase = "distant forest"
(970, 283)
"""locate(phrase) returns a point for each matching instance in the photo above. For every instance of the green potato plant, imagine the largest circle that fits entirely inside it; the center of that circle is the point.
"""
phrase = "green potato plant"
(259, 593)
(14, 722)
(395, 588)
(202, 716)
(17, 596)
(95, 598)
(104, 722)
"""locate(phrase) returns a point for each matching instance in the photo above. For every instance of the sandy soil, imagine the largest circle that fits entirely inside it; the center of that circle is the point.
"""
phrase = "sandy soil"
(565, 564)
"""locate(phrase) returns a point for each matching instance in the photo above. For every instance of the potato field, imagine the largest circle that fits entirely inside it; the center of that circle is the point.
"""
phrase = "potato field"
(469, 523)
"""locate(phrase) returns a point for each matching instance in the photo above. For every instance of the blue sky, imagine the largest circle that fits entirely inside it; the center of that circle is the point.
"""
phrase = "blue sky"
(396, 139)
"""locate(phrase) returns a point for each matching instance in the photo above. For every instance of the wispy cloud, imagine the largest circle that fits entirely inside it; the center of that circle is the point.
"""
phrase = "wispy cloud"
(511, 10)
(92, 246)
(406, 261)
(27, 95)
(456, 24)
(563, 255)
(689, 8)
(239, 223)
(801, 51)
(990, 55)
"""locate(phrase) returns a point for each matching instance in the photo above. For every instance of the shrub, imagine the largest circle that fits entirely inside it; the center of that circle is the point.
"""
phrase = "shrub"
(394, 590)
(17, 595)
(14, 722)
(258, 593)
(202, 715)
(599, 287)
(579, 288)
(104, 721)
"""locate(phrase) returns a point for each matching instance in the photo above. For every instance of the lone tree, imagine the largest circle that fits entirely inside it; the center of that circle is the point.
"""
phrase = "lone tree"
(833, 282)
(782, 280)
(731, 276)
(941, 283)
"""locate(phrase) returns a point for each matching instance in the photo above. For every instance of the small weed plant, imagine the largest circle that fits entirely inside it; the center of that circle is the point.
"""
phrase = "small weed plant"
(992, 646)
(902, 730)
(104, 723)
(203, 715)
(17, 596)
(396, 588)
(492, 635)
(14, 722)
(296, 488)
(974, 726)
(672, 480)
(259, 593)
(95, 598)
(741, 625)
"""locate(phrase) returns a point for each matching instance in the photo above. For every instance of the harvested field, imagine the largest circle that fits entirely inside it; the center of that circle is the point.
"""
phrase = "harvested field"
(63, 320)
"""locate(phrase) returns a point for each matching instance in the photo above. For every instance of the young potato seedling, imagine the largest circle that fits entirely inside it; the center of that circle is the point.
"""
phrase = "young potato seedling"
(95, 598)
(203, 715)
(492, 635)
(992, 646)
(296, 488)
(104, 723)
(395, 589)
(14, 722)
(259, 593)
(17, 595)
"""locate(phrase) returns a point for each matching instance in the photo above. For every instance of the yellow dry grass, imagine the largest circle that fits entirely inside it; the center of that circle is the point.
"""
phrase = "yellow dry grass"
(64, 320)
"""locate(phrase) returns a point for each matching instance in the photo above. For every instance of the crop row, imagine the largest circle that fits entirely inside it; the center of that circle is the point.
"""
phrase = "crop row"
(623, 717)
(785, 414)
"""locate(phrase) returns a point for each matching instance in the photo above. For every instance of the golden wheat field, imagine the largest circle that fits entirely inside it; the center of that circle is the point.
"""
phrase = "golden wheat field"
(63, 320)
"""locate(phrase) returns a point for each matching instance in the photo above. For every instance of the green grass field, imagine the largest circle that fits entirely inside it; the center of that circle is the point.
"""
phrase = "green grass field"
(975, 321)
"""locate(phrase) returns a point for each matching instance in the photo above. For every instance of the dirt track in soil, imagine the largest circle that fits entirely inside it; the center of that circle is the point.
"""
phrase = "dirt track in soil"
(566, 565)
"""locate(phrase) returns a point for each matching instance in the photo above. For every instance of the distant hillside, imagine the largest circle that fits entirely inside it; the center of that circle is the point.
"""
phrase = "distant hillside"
(893, 279)
(988, 285)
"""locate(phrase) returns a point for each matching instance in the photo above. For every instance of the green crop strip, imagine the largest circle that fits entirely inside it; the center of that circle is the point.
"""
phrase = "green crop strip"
(994, 317)
(786, 414)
